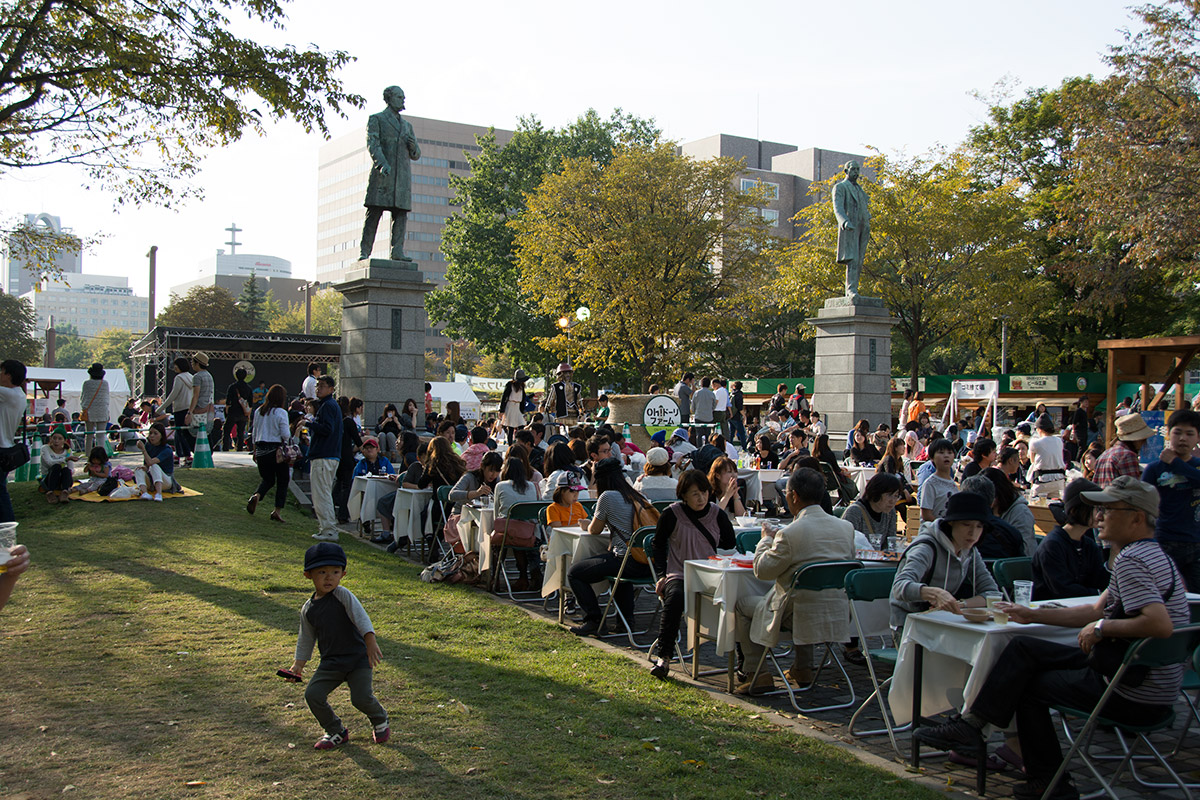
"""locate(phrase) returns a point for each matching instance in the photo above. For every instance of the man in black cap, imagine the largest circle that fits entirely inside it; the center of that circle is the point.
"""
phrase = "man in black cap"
(1146, 598)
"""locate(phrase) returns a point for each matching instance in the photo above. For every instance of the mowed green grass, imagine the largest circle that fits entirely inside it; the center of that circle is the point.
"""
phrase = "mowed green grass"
(139, 653)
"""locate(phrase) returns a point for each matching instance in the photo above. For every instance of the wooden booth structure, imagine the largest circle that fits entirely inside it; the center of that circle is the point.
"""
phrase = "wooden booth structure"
(1146, 361)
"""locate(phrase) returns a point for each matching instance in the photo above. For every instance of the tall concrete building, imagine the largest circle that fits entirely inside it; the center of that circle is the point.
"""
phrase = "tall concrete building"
(230, 271)
(342, 171)
(18, 278)
(784, 169)
(91, 303)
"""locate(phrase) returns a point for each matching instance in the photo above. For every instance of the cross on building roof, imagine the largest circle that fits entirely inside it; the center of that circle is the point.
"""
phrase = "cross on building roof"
(234, 230)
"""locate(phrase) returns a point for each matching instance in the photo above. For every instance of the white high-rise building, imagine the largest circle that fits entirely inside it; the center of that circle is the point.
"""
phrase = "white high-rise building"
(91, 303)
(18, 278)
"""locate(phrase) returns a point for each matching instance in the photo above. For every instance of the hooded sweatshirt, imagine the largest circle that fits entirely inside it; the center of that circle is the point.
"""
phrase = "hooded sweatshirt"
(963, 577)
(1020, 516)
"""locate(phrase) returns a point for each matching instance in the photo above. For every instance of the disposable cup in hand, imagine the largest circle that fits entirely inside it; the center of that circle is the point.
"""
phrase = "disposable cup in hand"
(1022, 592)
(8, 540)
(992, 598)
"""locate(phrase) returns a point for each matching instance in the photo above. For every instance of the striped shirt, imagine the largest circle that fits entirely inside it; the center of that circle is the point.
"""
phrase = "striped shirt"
(617, 512)
(1143, 575)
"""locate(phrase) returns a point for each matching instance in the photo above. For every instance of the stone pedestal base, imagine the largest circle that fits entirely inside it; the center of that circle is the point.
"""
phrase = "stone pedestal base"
(383, 334)
(853, 377)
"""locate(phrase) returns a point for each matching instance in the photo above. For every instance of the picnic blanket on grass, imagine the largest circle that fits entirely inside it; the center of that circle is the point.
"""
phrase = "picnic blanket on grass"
(96, 497)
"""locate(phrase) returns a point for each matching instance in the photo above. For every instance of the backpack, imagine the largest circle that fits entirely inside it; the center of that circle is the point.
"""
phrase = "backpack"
(703, 458)
(643, 517)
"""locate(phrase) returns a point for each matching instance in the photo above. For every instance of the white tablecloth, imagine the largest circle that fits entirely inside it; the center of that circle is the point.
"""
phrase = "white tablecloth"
(958, 657)
(566, 546)
(475, 529)
(760, 483)
(365, 493)
(406, 513)
(861, 475)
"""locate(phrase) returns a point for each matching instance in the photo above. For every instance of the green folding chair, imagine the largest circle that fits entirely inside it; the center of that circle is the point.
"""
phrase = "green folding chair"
(866, 586)
(846, 492)
(747, 541)
(1007, 570)
(815, 577)
(1175, 649)
(589, 506)
(663, 505)
(521, 512)
(641, 537)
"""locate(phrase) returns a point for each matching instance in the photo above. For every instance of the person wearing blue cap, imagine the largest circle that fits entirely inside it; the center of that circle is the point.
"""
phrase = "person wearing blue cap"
(336, 622)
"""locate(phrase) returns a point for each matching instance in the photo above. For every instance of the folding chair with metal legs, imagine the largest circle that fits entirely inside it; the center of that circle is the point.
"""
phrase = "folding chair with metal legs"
(521, 512)
(815, 577)
(868, 585)
(638, 541)
(1140, 652)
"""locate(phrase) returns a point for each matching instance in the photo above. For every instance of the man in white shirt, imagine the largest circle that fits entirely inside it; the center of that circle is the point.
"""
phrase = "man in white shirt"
(309, 387)
(721, 407)
(12, 408)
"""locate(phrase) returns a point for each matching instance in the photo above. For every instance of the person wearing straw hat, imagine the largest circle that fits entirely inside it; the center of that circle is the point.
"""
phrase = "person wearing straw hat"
(564, 399)
(203, 393)
(1122, 457)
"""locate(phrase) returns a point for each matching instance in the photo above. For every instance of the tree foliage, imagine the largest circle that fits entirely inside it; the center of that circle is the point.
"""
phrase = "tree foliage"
(134, 90)
(1137, 167)
(71, 351)
(947, 255)
(205, 307)
(17, 339)
(326, 315)
(481, 301)
(111, 348)
(253, 303)
(659, 247)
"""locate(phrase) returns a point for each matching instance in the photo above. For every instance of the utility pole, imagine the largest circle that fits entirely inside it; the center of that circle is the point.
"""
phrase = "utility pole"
(307, 289)
(153, 256)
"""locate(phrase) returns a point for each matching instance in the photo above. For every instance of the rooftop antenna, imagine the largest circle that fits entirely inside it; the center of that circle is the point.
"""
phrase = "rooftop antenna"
(234, 230)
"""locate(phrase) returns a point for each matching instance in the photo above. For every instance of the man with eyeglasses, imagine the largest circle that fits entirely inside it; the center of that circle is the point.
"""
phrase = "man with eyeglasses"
(1145, 598)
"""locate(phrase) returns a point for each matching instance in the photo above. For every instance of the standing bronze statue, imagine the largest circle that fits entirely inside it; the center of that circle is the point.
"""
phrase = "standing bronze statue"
(854, 225)
(392, 144)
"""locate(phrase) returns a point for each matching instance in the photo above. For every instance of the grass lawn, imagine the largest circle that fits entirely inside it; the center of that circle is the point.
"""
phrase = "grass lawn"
(139, 652)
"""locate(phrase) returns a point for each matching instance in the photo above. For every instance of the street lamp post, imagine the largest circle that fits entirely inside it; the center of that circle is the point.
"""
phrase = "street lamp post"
(307, 288)
(566, 323)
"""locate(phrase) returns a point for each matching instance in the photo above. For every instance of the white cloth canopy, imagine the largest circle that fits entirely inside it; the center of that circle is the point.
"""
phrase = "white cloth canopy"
(72, 386)
(468, 402)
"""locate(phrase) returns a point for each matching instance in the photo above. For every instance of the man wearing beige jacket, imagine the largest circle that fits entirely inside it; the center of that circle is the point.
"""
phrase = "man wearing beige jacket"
(812, 617)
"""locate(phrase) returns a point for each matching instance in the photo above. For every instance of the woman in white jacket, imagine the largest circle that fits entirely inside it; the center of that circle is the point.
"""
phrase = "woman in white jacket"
(178, 400)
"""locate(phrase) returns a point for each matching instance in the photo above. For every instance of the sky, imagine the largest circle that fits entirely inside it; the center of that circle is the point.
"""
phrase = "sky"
(899, 77)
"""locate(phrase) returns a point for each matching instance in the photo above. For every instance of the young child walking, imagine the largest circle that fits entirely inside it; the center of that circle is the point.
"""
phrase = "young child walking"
(336, 622)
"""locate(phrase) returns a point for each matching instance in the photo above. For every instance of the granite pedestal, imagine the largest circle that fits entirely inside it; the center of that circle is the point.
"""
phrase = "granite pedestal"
(853, 378)
(383, 334)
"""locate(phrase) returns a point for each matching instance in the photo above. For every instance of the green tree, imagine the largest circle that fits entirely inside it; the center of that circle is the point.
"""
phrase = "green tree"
(1136, 162)
(326, 315)
(17, 339)
(660, 247)
(946, 254)
(134, 90)
(111, 348)
(71, 351)
(496, 366)
(204, 307)
(481, 301)
(253, 303)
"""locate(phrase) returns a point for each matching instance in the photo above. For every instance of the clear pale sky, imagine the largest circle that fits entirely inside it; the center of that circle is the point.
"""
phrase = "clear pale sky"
(896, 76)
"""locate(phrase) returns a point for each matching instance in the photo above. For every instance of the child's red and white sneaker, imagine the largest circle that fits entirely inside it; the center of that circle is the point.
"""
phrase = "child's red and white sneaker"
(332, 740)
(381, 733)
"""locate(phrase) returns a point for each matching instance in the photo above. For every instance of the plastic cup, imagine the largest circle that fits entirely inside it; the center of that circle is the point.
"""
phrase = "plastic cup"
(1022, 592)
(8, 540)
(992, 598)
(999, 617)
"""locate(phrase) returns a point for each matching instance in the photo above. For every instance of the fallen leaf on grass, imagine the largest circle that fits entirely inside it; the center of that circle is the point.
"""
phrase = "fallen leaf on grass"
(756, 716)
(43, 728)
(694, 761)
(171, 722)
(70, 787)
(650, 739)
(606, 783)
(476, 747)
(196, 783)
(291, 745)
(730, 757)
(470, 770)
(649, 746)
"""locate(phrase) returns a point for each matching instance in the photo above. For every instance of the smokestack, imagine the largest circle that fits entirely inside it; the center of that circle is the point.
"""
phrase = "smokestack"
(49, 359)
(153, 255)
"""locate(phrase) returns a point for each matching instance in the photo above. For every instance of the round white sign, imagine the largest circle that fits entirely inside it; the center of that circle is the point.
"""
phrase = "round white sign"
(661, 412)
(246, 365)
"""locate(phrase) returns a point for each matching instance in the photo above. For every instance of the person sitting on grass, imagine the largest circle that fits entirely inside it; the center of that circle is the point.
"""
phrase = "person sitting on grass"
(96, 472)
(57, 475)
(566, 511)
(692, 528)
(334, 620)
(158, 465)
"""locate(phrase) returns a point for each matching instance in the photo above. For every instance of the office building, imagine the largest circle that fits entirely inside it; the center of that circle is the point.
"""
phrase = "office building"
(91, 304)
(230, 271)
(784, 169)
(342, 171)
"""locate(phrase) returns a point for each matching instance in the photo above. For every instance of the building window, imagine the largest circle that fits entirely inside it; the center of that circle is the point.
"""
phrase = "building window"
(772, 189)
(771, 216)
